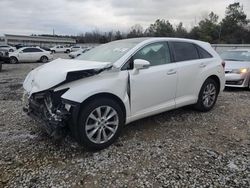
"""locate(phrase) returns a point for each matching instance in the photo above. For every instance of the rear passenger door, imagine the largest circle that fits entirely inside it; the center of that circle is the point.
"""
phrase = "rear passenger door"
(36, 54)
(190, 67)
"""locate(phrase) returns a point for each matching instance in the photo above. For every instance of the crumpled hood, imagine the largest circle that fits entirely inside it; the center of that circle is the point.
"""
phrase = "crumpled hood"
(236, 65)
(55, 72)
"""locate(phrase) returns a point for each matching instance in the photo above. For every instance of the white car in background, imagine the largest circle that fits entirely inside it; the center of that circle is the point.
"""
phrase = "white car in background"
(75, 48)
(30, 54)
(78, 52)
(7, 47)
(60, 49)
(114, 84)
(237, 68)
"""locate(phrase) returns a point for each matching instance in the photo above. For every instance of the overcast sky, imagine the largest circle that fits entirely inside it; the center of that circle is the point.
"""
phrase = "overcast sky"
(76, 16)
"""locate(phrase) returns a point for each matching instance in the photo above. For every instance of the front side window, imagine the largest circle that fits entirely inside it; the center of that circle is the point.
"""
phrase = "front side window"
(184, 51)
(157, 54)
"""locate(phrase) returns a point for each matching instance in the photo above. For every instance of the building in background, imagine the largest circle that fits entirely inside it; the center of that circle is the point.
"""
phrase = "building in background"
(41, 41)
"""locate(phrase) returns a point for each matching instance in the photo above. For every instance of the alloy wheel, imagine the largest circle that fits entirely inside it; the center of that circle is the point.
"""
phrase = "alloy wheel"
(102, 124)
(209, 95)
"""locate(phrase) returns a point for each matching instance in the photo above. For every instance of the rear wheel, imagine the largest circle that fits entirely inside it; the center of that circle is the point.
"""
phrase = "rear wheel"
(207, 96)
(99, 124)
(13, 60)
(67, 51)
(44, 59)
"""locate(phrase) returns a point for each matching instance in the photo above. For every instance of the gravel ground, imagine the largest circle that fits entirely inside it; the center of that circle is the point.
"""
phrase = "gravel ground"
(180, 148)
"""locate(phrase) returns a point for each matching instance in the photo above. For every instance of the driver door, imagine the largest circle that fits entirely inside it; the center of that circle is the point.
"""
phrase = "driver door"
(153, 89)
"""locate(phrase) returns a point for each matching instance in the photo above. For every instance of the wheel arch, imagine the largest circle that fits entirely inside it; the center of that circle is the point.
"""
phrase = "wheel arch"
(107, 95)
(14, 57)
(216, 79)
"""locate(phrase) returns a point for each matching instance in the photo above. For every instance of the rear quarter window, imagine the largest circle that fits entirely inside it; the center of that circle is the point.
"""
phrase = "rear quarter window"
(184, 51)
(203, 53)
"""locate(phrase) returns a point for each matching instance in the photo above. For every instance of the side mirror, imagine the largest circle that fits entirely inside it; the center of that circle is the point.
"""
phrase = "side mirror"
(141, 64)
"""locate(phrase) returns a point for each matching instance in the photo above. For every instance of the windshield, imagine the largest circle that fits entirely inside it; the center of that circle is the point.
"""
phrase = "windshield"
(109, 52)
(236, 55)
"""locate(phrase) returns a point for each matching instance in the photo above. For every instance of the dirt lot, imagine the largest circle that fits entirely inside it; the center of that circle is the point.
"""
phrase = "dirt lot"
(181, 148)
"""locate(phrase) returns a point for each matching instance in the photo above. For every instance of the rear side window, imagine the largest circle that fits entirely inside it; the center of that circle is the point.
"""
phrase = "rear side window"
(27, 50)
(184, 51)
(203, 53)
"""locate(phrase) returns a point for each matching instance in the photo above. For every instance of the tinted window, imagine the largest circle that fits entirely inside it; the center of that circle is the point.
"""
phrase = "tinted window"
(156, 54)
(28, 50)
(36, 50)
(184, 51)
(203, 53)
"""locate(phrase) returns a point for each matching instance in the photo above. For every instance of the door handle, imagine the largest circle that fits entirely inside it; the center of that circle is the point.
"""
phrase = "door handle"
(171, 71)
(203, 65)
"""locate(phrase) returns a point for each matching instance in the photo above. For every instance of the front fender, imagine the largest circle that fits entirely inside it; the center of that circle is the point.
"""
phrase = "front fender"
(115, 83)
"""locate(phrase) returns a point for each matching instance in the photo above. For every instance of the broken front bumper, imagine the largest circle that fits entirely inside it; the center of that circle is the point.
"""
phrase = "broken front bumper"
(49, 110)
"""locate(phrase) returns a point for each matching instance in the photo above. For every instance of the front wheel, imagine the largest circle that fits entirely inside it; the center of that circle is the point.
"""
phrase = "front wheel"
(207, 96)
(100, 123)
(13, 60)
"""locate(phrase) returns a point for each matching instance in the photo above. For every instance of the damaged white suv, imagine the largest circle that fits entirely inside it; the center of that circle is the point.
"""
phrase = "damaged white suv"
(114, 84)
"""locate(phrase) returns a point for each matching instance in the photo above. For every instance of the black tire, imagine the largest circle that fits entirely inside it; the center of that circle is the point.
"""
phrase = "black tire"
(79, 131)
(67, 51)
(200, 105)
(44, 59)
(53, 51)
(13, 60)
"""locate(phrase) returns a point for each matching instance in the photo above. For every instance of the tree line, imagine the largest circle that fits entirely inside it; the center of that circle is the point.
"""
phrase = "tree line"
(234, 28)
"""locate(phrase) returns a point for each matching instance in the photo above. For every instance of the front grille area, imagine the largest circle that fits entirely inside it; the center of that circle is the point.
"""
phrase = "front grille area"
(238, 82)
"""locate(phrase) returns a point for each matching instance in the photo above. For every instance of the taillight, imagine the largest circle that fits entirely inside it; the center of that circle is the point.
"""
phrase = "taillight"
(223, 64)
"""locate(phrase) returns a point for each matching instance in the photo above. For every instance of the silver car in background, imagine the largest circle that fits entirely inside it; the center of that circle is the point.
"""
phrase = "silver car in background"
(237, 70)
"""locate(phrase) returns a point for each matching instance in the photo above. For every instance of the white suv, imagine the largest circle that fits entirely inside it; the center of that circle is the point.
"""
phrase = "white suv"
(120, 82)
